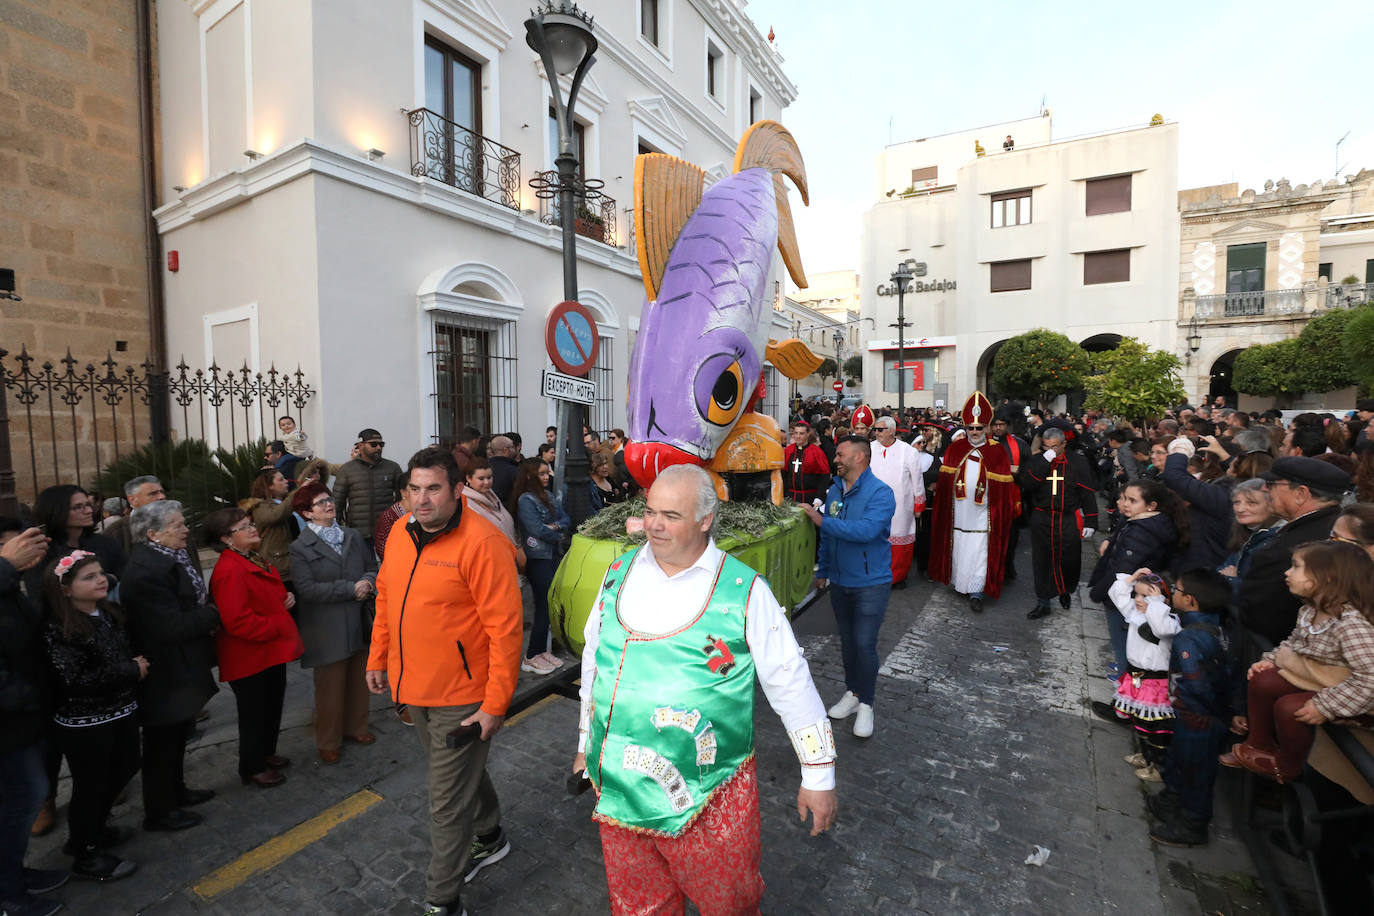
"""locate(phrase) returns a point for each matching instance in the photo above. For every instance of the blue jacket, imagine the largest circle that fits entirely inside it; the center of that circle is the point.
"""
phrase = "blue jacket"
(539, 541)
(854, 548)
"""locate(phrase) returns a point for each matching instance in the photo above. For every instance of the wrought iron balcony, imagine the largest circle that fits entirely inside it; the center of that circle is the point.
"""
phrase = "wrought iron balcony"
(594, 216)
(449, 152)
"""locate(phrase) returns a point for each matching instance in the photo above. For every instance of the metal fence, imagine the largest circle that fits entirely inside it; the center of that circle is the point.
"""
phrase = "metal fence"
(594, 215)
(64, 422)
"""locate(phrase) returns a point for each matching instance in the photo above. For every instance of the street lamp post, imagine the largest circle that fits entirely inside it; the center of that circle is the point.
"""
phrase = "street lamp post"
(561, 34)
(839, 360)
(901, 277)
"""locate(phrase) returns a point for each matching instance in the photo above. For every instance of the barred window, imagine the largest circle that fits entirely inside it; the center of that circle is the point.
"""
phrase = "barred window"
(602, 418)
(474, 377)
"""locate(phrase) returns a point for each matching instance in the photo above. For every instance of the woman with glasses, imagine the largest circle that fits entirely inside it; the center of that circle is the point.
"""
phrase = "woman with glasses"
(256, 640)
(336, 578)
(1355, 525)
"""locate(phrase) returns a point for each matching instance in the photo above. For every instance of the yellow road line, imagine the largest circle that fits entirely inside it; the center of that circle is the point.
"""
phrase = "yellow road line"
(529, 709)
(280, 848)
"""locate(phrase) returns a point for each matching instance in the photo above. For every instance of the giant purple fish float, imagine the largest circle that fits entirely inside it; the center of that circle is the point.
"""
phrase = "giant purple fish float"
(696, 371)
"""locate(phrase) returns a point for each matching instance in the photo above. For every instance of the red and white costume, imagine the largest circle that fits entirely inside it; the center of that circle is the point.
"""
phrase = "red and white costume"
(899, 466)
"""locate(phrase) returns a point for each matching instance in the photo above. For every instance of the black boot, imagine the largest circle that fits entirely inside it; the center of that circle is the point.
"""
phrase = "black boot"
(93, 864)
(976, 603)
(1040, 610)
(1064, 601)
(1179, 831)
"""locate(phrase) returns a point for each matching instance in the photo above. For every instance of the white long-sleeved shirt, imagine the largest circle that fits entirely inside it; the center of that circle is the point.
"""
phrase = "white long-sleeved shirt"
(653, 602)
(1140, 652)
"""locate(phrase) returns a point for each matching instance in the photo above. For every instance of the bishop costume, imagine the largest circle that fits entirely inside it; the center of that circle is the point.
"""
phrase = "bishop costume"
(975, 503)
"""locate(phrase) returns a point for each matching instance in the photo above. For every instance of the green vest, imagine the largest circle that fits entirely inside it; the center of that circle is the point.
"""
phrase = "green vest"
(682, 705)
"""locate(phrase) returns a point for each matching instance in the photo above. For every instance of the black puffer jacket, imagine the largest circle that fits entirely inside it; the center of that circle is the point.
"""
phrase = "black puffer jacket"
(25, 682)
(96, 671)
(1144, 541)
(1210, 516)
(363, 491)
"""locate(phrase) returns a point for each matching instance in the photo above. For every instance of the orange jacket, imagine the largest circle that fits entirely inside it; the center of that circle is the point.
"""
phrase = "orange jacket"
(450, 623)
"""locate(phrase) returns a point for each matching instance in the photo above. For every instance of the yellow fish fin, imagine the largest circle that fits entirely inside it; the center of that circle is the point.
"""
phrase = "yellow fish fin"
(667, 192)
(792, 358)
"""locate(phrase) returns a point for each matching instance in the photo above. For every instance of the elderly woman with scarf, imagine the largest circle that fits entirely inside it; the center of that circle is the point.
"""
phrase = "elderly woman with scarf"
(336, 574)
(257, 639)
(171, 622)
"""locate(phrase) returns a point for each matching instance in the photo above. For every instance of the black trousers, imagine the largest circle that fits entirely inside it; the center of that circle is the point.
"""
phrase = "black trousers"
(102, 759)
(259, 698)
(164, 767)
(1056, 553)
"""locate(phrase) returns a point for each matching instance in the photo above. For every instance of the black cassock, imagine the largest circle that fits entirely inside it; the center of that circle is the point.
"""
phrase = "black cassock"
(1054, 492)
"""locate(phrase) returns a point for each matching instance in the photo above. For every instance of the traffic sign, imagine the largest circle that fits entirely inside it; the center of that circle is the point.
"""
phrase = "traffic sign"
(567, 388)
(838, 386)
(570, 337)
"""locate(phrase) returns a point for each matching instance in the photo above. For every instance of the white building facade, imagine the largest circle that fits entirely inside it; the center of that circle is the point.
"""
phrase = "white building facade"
(349, 187)
(1074, 235)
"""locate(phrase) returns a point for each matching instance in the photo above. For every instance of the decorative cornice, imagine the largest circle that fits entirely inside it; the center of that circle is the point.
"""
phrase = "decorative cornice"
(632, 62)
(479, 16)
(655, 113)
(728, 19)
(309, 157)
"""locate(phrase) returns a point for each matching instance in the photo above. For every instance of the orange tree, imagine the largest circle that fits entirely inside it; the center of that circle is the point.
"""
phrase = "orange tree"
(1040, 365)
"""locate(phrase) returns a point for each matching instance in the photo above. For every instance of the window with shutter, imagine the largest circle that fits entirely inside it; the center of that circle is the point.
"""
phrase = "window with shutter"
(1009, 275)
(921, 176)
(1112, 266)
(1107, 195)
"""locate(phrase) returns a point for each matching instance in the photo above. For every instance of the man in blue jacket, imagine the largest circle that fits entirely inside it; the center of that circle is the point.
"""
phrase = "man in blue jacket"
(856, 560)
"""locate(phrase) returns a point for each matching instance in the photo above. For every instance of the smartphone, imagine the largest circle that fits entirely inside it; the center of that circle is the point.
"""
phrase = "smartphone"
(462, 735)
(578, 783)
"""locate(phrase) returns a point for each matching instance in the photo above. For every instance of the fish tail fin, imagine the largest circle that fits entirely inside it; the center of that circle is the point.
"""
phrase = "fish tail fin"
(667, 192)
(792, 358)
(767, 144)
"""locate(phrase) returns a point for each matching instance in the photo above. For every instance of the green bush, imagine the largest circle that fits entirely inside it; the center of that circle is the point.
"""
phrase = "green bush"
(1357, 344)
(1134, 381)
(200, 479)
(1039, 364)
(1268, 370)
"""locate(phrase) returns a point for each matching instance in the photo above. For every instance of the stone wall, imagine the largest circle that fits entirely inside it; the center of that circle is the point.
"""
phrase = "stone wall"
(71, 223)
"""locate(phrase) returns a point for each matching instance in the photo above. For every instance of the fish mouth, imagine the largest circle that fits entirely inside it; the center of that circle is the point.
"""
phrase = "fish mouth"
(646, 460)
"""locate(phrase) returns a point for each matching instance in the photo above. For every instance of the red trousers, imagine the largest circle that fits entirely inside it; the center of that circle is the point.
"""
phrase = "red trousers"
(1271, 705)
(715, 861)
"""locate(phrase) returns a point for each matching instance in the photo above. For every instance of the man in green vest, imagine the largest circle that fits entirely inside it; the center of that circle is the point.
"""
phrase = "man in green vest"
(673, 645)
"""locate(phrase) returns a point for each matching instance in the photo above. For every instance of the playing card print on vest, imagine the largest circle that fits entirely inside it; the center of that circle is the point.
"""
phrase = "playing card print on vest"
(672, 714)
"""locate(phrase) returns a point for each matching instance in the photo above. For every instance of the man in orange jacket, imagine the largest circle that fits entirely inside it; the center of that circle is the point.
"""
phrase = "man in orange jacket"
(448, 637)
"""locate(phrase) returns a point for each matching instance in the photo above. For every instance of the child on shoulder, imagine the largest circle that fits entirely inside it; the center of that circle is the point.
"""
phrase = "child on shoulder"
(1324, 670)
(1200, 695)
(294, 438)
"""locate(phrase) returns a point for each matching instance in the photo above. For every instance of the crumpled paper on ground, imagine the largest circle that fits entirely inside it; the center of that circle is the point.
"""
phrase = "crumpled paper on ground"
(1039, 857)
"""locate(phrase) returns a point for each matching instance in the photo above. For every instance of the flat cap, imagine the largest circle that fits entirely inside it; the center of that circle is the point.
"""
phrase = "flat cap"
(1309, 472)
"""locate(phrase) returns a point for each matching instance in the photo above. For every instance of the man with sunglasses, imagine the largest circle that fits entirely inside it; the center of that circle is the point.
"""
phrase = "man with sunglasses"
(976, 500)
(364, 485)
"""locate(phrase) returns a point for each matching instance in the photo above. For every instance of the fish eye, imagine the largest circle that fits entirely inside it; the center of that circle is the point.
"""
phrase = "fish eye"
(726, 397)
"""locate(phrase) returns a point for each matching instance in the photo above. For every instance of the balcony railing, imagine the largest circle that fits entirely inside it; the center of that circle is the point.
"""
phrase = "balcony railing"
(1347, 295)
(1281, 302)
(593, 217)
(449, 152)
(1251, 304)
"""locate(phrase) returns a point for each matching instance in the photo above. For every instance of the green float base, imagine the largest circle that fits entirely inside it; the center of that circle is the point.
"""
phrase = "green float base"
(784, 555)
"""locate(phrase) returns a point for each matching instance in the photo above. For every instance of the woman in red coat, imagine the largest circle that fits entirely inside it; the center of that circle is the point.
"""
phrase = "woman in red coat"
(256, 640)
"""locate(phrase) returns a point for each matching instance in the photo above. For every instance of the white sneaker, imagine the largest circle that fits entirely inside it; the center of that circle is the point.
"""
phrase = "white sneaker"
(863, 722)
(537, 666)
(1149, 774)
(846, 707)
(1136, 760)
(552, 659)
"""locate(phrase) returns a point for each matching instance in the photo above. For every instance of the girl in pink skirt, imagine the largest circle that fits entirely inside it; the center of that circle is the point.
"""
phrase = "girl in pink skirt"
(1142, 691)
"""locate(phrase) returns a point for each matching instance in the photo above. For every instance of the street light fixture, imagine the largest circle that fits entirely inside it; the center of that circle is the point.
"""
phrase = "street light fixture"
(1194, 340)
(839, 359)
(561, 34)
(904, 274)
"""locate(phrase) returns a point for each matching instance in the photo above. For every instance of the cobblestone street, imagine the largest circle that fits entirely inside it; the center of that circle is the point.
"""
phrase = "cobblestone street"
(983, 749)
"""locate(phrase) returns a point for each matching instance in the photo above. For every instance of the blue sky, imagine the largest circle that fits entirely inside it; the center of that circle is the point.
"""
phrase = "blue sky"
(1260, 89)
